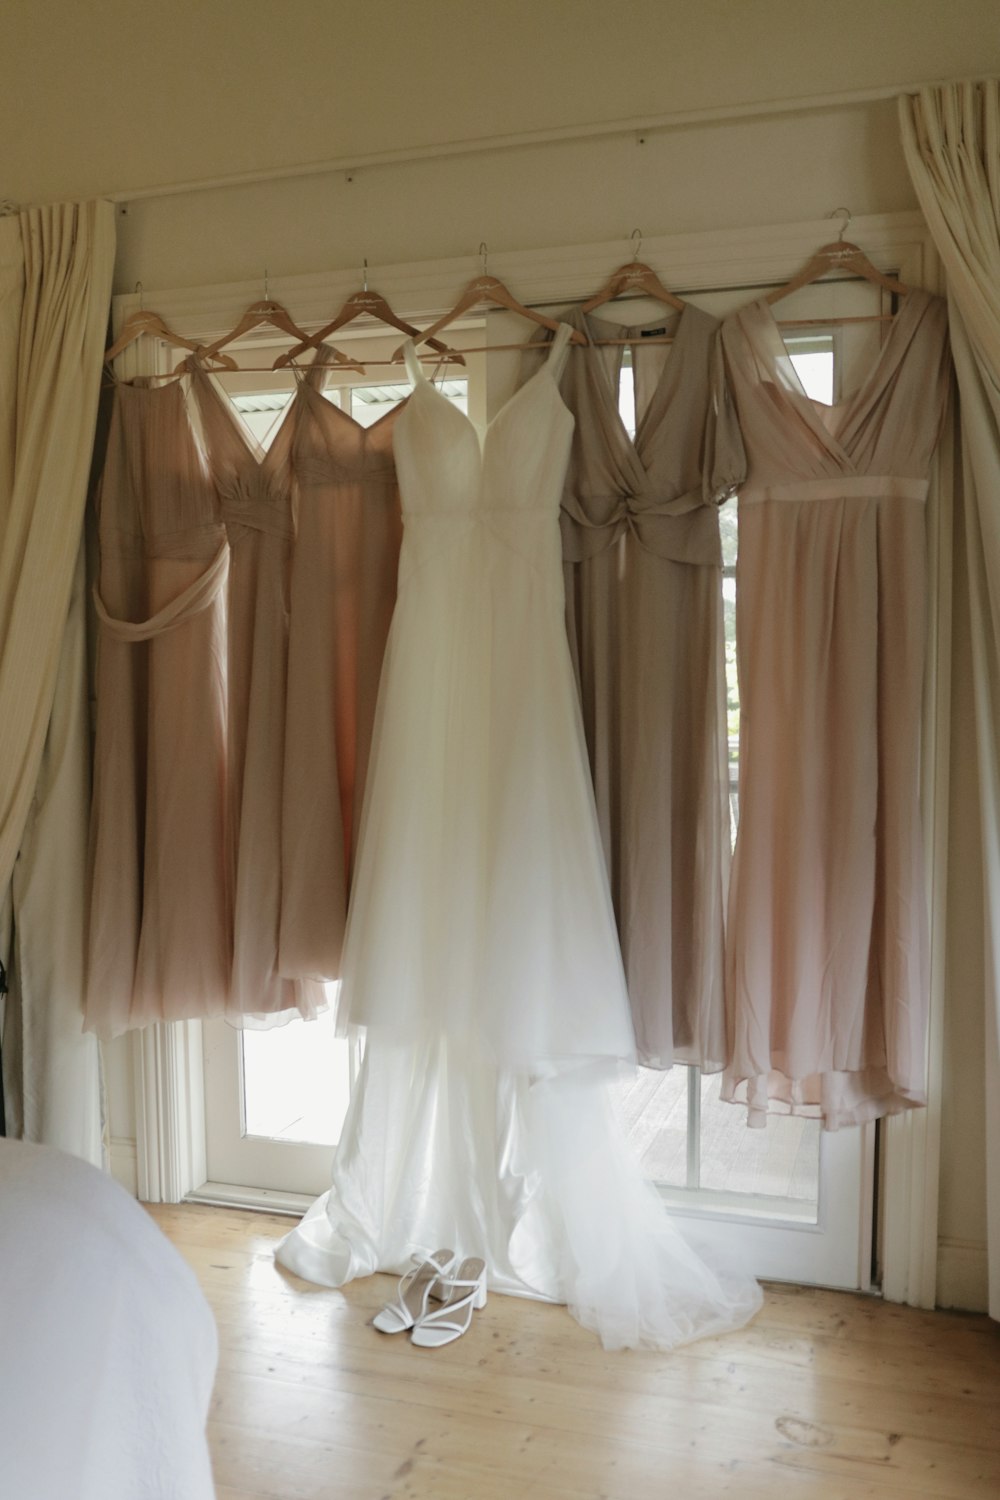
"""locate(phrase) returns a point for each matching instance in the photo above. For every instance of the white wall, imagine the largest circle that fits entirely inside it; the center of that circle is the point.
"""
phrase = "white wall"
(118, 96)
(102, 95)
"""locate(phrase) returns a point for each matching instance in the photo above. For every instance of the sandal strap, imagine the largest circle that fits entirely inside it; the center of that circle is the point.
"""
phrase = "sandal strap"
(438, 1318)
(445, 1323)
(399, 1306)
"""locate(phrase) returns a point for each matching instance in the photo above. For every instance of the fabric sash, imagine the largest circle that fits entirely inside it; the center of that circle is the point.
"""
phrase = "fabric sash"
(195, 598)
(838, 487)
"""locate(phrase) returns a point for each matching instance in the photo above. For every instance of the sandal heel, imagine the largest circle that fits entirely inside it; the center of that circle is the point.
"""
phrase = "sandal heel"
(414, 1291)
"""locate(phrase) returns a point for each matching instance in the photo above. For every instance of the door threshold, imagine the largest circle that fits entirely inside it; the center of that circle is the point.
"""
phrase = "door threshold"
(261, 1200)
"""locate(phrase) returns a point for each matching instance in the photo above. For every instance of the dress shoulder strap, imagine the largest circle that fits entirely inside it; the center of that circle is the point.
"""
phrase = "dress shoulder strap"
(314, 373)
(558, 350)
(413, 366)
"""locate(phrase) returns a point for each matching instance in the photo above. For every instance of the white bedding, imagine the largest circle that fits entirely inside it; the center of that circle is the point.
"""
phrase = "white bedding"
(107, 1346)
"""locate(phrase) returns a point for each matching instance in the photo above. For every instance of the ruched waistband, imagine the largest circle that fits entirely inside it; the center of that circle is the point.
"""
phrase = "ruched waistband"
(195, 598)
(256, 512)
(844, 487)
(681, 529)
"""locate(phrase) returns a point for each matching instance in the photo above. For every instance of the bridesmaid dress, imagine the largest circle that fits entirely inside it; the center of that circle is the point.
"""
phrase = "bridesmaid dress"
(255, 490)
(643, 572)
(828, 963)
(160, 930)
(341, 595)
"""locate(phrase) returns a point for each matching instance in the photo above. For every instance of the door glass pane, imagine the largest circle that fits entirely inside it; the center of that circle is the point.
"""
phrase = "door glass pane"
(296, 1081)
(369, 403)
(654, 1107)
(781, 1161)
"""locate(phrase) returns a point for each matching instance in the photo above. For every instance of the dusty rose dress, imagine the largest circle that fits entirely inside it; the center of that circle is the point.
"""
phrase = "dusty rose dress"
(643, 574)
(160, 927)
(342, 592)
(256, 495)
(827, 937)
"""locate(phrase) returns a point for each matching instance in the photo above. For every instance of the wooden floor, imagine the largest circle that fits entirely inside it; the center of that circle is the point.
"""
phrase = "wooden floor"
(825, 1395)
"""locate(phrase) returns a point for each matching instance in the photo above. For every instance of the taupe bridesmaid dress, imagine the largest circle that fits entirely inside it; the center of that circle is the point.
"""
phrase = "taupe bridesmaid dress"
(256, 494)
(827, 922)
(160, 925)
(643, 574)
(342, 593)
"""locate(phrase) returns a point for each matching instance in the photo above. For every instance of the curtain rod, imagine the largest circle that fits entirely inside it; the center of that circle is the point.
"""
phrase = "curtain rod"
(640, 126)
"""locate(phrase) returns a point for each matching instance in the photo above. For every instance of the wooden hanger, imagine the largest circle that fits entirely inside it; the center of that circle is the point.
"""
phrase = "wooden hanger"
(635, 277)
(839, 255)
(268, 313)
(486, 288)
(145, 323)
(366, 303)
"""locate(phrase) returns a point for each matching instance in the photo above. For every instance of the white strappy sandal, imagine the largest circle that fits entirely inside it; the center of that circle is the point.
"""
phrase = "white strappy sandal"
(414, 1291)
(458, 1294)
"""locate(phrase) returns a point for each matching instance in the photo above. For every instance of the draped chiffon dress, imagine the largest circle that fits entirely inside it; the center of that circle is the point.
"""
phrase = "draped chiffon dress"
(828, 963)
(255, 489)
(480, 953)
(160, 931)
(342, 589)
(643, 575)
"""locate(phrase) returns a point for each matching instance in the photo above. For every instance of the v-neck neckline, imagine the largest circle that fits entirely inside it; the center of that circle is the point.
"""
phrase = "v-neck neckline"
(552, 362)
(251, 448)
(793, 388)
(586, 321)
(353, 424)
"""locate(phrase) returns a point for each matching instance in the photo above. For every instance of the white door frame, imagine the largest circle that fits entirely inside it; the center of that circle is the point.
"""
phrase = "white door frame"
(169, 1094)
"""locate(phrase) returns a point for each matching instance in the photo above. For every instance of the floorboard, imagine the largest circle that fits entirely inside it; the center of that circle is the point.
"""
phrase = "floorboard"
(826, 1396)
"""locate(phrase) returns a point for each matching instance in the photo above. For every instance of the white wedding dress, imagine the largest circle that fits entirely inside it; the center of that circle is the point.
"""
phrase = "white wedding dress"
(480, 954)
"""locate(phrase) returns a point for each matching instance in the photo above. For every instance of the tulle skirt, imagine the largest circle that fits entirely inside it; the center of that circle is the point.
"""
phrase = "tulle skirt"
(532, 1172)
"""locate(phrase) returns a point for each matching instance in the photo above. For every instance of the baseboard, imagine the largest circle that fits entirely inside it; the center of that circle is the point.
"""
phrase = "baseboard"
(124, 1168)
(963, 1275)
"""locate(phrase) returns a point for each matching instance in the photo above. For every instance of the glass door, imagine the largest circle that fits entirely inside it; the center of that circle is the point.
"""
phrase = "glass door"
(275, 1103)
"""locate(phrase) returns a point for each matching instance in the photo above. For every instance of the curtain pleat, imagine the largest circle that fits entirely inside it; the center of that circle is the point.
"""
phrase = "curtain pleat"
(56, 266)
(68, 257)
(951, 139)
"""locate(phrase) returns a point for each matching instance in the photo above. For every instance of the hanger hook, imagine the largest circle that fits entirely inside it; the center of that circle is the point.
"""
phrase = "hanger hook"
(364, 273)
(847, 219)
(484, 256)
(138, 292)
(265, 285)
(636, 238)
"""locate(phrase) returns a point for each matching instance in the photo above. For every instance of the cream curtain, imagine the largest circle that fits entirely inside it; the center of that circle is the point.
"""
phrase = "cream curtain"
(951, 137)
(55, 286)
